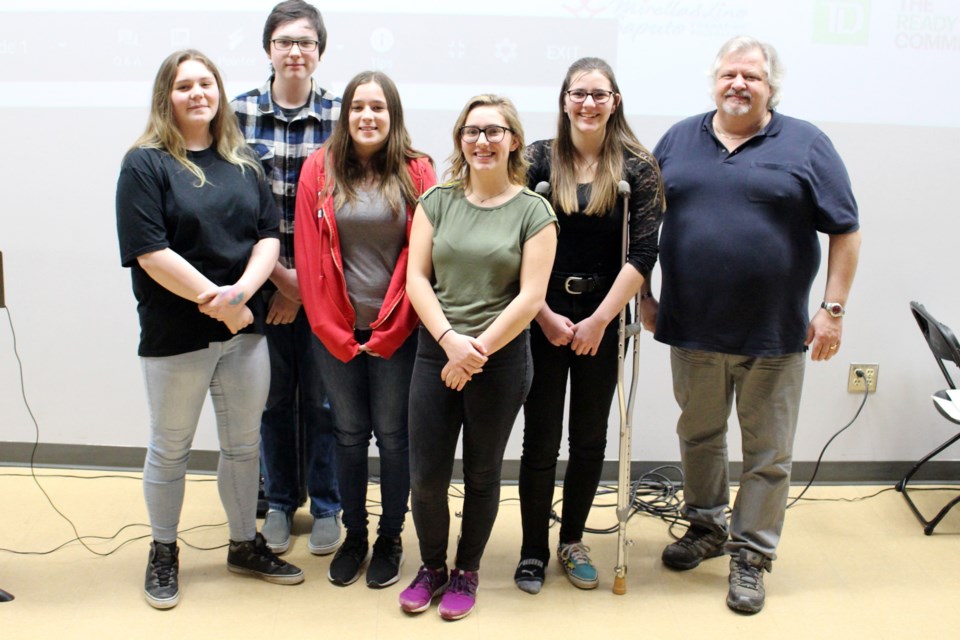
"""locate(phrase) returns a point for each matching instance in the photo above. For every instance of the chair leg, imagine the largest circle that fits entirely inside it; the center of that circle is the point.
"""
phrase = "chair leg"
(928, 529)
(901, 486)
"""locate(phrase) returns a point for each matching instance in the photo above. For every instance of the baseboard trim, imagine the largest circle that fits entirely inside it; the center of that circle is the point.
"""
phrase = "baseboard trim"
(131, 458)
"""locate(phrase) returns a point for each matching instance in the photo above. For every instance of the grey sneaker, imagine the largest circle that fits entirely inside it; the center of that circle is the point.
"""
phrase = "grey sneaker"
(746, 592)
(696, 545)
(162, 585)
(325, 536)
(276, 530)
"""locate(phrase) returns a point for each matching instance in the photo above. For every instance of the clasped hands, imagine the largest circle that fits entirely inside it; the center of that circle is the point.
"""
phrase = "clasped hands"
(465, 358)
(583, 337)
(228, 305)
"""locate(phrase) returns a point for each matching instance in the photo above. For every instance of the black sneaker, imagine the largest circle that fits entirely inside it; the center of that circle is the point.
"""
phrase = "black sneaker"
(162, 585)
(347, 564)
(385, 563)
(696, 545)
(746, 593)
(255, 558)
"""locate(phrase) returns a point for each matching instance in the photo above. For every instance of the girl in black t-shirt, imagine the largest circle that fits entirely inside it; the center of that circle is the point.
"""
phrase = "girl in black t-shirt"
(198, 229)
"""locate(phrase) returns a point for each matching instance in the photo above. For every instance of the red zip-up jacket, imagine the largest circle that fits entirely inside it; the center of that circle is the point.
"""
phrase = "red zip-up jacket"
(319, 264)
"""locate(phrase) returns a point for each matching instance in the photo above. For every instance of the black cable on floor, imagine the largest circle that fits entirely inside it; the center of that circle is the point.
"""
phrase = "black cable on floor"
(816, 468)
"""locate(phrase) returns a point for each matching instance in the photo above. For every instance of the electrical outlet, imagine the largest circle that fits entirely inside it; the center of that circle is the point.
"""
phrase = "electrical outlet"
(870, 372)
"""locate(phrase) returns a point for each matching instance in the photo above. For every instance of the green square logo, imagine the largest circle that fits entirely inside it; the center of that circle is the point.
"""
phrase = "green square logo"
(841, 21)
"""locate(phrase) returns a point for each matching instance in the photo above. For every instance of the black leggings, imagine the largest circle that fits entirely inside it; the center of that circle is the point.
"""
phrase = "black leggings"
(593, 381)
(486, 408)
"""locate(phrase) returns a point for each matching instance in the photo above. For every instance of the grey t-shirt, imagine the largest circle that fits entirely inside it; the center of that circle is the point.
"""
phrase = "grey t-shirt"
(371, 238)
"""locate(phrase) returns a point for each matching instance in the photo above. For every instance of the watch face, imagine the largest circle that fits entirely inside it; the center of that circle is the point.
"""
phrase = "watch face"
(834, 308)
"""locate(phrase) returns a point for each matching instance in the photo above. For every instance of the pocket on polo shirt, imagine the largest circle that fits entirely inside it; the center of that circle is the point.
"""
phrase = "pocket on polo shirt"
(772, 182)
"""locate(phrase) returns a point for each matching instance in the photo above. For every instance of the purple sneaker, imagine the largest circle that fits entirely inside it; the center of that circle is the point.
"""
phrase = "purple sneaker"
(428, 583)
(461, 595)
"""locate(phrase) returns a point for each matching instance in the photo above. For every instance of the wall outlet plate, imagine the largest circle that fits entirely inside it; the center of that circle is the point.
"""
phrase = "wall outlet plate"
(855, 383)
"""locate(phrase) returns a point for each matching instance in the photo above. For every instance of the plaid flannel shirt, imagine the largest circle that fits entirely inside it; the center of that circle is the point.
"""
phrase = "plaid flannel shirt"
(284, 145)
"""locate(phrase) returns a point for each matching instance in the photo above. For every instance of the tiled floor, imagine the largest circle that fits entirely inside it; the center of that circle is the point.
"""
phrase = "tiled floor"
(859, 569)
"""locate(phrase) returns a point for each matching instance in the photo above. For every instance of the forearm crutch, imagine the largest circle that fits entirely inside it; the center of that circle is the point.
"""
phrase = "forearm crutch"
(624, 333)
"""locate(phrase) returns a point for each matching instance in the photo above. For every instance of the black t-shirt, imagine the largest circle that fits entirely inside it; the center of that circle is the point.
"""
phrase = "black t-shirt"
(213, 227)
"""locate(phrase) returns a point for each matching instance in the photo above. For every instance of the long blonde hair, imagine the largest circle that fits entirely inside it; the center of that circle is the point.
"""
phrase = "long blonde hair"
(163, 133)
(388, 166)
(618, 138)
(517, 164)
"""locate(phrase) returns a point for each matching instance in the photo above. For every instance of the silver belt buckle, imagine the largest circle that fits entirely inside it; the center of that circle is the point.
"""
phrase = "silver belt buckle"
(566, 285)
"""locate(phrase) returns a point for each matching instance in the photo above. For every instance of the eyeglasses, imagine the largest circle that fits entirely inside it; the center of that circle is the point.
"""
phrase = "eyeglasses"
(306, 46)
(493, 133)
(579, 95)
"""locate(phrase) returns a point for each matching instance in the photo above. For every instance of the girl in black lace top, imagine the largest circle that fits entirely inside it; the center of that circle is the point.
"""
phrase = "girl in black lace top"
(575, 332)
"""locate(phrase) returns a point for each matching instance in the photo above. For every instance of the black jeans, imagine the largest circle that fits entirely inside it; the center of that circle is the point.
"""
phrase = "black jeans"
(486, 408)
(593, 381)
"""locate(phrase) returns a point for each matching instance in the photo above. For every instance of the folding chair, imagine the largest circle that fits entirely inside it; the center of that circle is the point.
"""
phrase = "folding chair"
(945, 348)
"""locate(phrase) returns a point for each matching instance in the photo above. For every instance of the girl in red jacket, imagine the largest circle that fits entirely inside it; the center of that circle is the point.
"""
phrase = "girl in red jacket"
(355, 204)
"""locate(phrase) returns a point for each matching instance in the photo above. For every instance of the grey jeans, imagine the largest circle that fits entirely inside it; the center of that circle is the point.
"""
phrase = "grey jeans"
(237, 375)
(767, 392)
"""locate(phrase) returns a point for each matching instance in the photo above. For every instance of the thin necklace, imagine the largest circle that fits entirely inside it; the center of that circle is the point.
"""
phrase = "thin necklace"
(482, 200)
(586, 168)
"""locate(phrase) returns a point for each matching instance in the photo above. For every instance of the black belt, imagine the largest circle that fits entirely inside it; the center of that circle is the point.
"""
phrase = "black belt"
(577, 284)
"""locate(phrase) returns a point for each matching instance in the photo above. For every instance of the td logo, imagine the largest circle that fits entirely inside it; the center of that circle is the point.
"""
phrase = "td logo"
(841, 21)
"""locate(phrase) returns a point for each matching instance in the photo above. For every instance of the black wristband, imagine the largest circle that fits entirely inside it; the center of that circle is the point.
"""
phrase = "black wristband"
(443, 334)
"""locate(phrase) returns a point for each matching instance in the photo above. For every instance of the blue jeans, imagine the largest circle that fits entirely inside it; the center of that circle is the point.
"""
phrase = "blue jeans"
(235, 373)
(370, 396)
(767, 392)
(486, 408)
(297, 394)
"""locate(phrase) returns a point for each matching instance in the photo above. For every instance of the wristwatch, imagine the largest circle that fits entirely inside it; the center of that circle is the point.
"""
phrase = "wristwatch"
(835, 309)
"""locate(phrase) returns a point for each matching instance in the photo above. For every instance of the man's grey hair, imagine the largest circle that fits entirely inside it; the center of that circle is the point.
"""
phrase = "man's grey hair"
(771, 67)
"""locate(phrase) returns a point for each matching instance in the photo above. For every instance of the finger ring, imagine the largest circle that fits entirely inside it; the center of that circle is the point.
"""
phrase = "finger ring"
(832, 347)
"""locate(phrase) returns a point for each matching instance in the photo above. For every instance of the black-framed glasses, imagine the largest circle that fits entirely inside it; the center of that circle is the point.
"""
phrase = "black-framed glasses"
(285, 44)
(493, 133)
(599, 96)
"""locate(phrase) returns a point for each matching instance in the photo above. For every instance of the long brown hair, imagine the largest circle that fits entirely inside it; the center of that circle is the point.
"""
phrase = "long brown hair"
(517, 164)
(618, 139)
(388, 165)
(162, 131)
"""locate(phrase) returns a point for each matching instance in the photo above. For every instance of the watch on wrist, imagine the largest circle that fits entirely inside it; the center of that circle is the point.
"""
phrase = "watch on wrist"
(835, 309)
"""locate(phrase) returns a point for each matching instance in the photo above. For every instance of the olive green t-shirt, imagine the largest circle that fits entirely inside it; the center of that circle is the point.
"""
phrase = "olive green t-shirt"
(477, 252)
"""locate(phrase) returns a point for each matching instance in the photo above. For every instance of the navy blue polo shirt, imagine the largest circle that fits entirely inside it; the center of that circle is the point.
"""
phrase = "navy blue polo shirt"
(738, 248)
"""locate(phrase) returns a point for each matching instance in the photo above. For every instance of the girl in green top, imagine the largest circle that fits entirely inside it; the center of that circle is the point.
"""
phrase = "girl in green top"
(480, 254)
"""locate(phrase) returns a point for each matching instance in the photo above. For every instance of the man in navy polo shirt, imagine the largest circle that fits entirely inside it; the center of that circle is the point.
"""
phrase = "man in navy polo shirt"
(748, 191)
